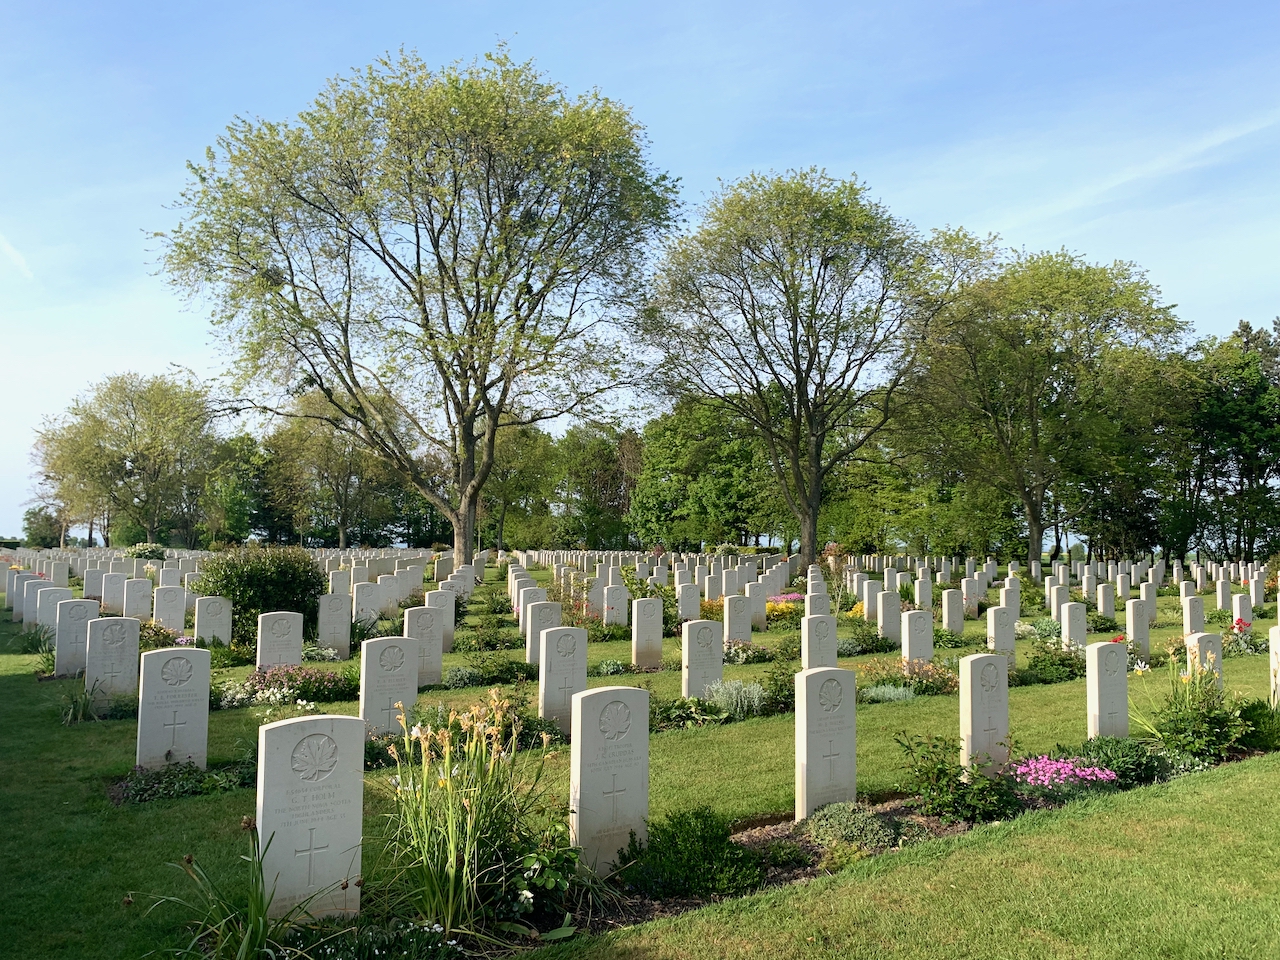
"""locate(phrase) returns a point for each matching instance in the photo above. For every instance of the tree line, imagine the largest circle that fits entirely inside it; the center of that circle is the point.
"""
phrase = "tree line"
(434, 270)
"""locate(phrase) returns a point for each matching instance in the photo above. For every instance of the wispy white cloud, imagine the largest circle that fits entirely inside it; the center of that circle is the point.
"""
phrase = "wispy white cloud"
(1195, 153)
(15, 257)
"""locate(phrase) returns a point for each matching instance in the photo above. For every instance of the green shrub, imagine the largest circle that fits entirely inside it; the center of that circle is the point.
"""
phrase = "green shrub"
(1198, 719)
(263, 580)
(185, 780)
(780, 687)
(948, 639)
(946, 789)
(866, 636)
(1097, 623)
(1047, 628)
(145, 551)
(1051, 664)
(689, 854)
(1218, 618)
(1132, 761)
(885, 693)
(610, 668)
(1264, 726)
(456, 678)
(682, 713)
(788, 648)
(851, 823)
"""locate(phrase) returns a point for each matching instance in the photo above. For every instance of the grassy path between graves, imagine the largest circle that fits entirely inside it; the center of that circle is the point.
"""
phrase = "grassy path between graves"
(68, 857)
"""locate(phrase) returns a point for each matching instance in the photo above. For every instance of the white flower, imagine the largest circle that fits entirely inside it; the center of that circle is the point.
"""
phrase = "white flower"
(526, 896)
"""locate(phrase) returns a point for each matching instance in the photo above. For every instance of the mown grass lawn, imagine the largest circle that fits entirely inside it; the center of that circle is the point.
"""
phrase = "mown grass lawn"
(69, 857)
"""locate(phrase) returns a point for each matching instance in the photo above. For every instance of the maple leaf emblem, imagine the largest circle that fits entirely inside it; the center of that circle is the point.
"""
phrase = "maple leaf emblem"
(214, 609)
(704, 637)
(821, 630)
(176, 671)
(281, 628)
(391, 659)
(615, 720)
(830, 695)
(78, 613)
(315, 757)
(425, 622)
(113, 634)
(566, 644)
(988, 677)
(1111, 662)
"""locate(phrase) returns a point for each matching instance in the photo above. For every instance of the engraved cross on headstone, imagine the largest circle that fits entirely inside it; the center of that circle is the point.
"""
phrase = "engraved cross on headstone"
(831, 756)
(310, 853)
(613, 795)
(389, 709)
(112, 670)
(566, 687)
(174, 727)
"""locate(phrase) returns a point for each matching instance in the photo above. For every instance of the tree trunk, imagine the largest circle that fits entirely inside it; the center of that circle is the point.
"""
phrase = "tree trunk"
(502, 519)
(342, 536)
(1035, 538)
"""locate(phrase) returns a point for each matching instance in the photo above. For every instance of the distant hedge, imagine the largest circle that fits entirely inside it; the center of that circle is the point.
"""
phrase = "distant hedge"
(263, 580)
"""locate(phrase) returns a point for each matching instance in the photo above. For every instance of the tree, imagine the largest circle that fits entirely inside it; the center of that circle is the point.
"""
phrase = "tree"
(520, 487)
(1012, 390)
(134, 448)
(794, 304)
(703, 479)
(435, 253)
(42, 530)
(596, 472)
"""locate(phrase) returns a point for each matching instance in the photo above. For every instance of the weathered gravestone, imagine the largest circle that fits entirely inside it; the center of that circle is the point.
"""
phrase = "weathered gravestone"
(562, 672)
(137, 598)
(1204, 652)
(279, 639)
(917, 635)
(113, 593)
(426, 625)
(1000, 630)
(388, 675)
(1192, 615)
(366, 602)
(1107, 689)
(93, 584)
(702, 649)
(646, 631)
(111, 658)
(737, 619)
(817, 604)
(826, 738)
(311, 810)
(444, 600)
(688, 602)
(1138, 627)
(333, 623)
(952, 612)
(984, 710)
(170, 608)
(615, 605)
(1075, 626)
(173, 707)
(541, 615)
(213, 620)
(818, 642)
(47, 606)
(608, 772)
(71, 635)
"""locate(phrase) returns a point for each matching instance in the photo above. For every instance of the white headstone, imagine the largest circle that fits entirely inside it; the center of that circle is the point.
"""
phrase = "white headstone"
(445, 600)
(953, 611)
(608, 772)
(213, 620)
(615, 605)
(817, 604)
(702, 655)
(170, 608)
(1107, 686)
(737, 619)
(1192, 615)
(688, 602)
(47, 606)
(426, 625)
(1000, 630)
(173, 707)
(646, 631)
(1138, 627)
(388, 675)
(984, 710)
(818, 646)
(311, 809)
(562, 672)
(71, 635)
(826, 738)
(1204, 651)
(137, 598)
(333, 623)
(1075, 626)
(111, 660)
(279, 639)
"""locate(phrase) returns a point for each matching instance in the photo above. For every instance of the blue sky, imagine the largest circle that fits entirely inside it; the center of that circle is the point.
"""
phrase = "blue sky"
(1139, 131)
